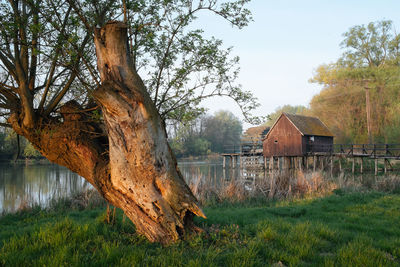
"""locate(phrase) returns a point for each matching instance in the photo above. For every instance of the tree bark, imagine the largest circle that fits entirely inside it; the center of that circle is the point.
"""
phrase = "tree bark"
(143, 171)
(129, 162)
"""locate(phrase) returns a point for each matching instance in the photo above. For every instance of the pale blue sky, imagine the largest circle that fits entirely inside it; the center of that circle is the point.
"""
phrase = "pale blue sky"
(287, 41)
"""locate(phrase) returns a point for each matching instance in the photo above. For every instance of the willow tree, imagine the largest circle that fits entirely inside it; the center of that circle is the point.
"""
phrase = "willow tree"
(95, 115)
(360, 90)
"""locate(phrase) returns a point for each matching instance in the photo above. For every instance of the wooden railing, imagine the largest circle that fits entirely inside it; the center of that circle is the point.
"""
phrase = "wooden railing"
(367, 150)
(357, 150)
(243, 148)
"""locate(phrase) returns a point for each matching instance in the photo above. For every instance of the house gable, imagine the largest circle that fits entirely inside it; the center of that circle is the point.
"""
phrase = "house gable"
(282, 120)
(284, 139)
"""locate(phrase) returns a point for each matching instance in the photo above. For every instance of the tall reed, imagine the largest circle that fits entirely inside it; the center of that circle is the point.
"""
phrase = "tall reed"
(284, 185)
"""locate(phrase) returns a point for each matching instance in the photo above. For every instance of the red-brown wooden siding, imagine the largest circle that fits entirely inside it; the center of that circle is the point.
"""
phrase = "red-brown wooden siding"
(283, 140)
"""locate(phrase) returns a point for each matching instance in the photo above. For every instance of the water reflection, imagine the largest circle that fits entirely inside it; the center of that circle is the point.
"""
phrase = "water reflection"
(208, 170)
(36, 184)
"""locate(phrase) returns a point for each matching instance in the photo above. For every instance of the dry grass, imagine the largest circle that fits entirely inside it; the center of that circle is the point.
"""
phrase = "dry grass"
(234, 190)
(314, 183)
(389, 184)
(87, 199)
(24, 206)
(285, 185)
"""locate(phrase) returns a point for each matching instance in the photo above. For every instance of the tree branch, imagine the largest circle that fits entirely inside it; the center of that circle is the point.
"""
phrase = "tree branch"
(2, 124)
(53, 104)
(167, 51)
(10, 67)
(53, 64)
(72, 4)
(34, 46)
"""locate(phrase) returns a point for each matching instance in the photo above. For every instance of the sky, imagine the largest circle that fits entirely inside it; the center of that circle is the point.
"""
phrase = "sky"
(288, 39)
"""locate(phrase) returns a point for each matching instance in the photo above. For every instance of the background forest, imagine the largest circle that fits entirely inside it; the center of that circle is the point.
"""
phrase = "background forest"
(205, 134)
(359, 101)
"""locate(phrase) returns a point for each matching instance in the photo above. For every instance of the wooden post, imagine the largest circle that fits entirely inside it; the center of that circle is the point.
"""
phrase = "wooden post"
(361, 165)
(284, 163)
(271, 163)
(265, 164)
(306, 162)
(385, 165)
(272, 186)
(233, 161)
(280, 163)
(331, 165)
(340, 164)
(232, 171)
(322, 163)
(300, 159)
(353, 165)
(376, 166)
(224, 163)
(374, 152)
(314, 163)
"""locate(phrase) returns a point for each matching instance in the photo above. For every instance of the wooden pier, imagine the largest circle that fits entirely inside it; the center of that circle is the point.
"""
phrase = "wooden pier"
(250, 156)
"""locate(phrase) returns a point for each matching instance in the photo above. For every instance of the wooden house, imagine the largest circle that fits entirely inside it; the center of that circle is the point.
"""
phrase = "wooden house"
(296, 135)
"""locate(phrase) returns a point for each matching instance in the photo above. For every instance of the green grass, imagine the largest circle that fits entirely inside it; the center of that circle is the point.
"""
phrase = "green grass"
(346, 229)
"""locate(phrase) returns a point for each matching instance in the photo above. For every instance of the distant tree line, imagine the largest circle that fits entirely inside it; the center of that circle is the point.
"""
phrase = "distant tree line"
(13, 146)
(203, 135)
(206, 134)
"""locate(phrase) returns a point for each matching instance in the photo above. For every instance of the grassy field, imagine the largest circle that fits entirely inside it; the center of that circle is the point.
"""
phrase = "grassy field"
(344, 229)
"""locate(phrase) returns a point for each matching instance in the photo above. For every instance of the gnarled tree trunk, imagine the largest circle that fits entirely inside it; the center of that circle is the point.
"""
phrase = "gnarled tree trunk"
(139, 173)
(143, 171)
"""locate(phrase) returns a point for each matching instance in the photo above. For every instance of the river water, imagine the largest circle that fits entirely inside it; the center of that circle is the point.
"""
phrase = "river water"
(38, 184)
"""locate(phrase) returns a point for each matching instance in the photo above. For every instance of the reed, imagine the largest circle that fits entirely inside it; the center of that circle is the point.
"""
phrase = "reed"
(389, 184)
(288, 185)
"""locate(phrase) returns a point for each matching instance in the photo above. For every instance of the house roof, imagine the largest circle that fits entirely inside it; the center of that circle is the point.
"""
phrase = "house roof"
(306, 125)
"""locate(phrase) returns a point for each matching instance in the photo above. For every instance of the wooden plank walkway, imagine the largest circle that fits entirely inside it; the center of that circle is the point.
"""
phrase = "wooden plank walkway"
(250, 155)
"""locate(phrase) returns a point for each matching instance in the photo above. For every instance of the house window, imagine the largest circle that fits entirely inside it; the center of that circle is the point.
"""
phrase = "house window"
(312, 138)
